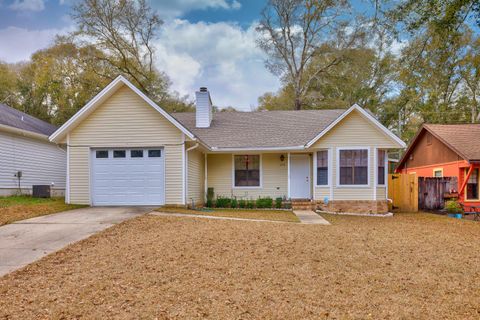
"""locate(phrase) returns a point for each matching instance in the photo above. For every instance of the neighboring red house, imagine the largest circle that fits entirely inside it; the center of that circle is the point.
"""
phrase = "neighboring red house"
(441, 150)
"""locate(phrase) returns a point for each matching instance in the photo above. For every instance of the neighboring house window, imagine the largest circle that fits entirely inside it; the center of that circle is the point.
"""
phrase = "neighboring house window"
(354, 167)
(382, 155)
(247, 170)
(322, 168)
(438, 173)
(472, 185)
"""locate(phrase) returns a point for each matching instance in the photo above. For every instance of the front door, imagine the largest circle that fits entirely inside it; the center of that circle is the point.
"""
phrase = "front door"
(300, 176)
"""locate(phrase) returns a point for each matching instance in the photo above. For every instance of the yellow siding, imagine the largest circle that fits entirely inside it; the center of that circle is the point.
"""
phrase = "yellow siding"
(322, 192)
(79, 175)
(125, 120)
(353, 131)
(196, 177)
(381, 193)
(274, 177)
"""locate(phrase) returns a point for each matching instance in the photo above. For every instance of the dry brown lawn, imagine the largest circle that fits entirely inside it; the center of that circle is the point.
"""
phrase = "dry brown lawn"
(412, 266)
(17, 208)
(274, 215)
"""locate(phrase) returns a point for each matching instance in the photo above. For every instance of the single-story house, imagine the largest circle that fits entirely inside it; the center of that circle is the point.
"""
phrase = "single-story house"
(27, 157)
(446, 150)
(123, 149)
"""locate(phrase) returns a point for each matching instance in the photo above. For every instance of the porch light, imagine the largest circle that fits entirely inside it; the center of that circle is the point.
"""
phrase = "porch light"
(282, 158)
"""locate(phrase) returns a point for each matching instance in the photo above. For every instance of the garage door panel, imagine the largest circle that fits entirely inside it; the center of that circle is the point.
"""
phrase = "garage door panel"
(124, 181)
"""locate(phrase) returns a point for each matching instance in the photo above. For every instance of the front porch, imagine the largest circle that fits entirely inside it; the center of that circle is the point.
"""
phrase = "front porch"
(310, 180)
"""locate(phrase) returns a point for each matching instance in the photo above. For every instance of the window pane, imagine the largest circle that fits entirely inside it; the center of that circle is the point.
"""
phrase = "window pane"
(381, 157)
(472, 185)
(101, 154)
(136, 153)
(322, 176)
(322, 168)
(119, 153)
(247, 170)
(354, 167)
(154, 153)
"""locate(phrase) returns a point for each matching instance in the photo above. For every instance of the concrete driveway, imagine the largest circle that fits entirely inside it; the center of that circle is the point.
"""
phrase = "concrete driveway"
(25, 241)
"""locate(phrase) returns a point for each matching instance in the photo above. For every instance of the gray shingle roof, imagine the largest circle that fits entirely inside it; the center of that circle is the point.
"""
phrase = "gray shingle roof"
(17, 119)
(260, 129)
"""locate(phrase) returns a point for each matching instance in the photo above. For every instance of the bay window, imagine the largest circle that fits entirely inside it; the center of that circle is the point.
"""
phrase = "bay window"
(353, 165)
(322, 168)
(381, 160)
(247, 170)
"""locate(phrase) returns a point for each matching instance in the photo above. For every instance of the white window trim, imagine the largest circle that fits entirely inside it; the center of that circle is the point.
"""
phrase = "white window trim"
(368, 168)
(329, 166)
(233, 170)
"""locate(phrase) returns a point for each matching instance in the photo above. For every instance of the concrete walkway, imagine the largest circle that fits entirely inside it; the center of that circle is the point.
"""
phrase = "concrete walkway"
(310, 217)
(26, 241)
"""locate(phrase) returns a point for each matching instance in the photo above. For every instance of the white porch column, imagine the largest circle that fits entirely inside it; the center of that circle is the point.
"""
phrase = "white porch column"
(288, 166)
(205, 187)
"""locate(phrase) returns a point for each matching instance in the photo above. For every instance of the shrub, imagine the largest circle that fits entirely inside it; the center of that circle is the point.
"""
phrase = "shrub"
(234, 203)
(242, 203)
(251, 204)
(453, 207)
(264, 202)
(209, 203)
(223, 202)
(278, 203)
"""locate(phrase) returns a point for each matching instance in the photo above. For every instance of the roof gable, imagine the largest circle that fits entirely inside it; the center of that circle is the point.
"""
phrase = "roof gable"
(374, 122)
(101, 97)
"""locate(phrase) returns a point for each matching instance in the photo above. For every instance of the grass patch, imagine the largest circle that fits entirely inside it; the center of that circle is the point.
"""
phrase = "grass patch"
(17, 208)
(274, 215)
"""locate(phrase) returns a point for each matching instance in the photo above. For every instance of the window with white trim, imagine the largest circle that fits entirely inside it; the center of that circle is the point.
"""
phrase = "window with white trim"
(381, 159)
(247, 170)
(353, 167)
(322, 168)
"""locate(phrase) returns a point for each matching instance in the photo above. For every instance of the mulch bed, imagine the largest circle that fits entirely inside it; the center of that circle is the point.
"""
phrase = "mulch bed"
(263, 214)
(411, 266)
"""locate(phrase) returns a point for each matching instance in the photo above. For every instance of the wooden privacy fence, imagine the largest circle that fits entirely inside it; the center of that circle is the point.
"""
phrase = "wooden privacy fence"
(403, 191)
(431, 191)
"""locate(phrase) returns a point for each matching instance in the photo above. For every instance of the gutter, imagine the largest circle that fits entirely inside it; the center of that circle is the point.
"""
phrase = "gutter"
(24, 133)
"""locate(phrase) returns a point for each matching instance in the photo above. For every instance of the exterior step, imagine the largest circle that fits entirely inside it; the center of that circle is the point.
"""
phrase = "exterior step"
(303, 204)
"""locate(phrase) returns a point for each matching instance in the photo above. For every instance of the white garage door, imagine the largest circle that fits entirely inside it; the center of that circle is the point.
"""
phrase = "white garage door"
(128, 176)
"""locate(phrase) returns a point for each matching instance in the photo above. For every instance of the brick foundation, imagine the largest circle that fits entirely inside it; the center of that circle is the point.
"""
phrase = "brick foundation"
(355, 206)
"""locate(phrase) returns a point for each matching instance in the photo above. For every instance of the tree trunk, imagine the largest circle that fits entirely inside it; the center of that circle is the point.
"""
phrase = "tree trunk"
(298, 103)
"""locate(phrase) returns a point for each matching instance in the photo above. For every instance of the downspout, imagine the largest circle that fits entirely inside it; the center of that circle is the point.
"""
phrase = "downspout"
(464, 183)
(186, 170)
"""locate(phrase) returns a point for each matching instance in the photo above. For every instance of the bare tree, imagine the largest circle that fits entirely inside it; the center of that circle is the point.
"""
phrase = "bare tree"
(292, 32)
(124, 30)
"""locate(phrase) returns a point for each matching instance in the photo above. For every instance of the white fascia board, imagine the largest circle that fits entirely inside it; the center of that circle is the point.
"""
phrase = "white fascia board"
(216, 149)
(105, 93)
(366, 115)
(24, 133)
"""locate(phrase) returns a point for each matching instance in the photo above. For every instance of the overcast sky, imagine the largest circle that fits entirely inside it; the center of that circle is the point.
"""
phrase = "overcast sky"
(202, 43)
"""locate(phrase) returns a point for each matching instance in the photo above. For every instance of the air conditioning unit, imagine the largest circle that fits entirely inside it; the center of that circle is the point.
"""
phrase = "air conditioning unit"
(41, 191)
